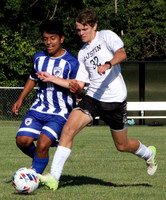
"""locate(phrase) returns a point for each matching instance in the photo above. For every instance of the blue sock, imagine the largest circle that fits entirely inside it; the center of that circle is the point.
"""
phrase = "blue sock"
(39, 164)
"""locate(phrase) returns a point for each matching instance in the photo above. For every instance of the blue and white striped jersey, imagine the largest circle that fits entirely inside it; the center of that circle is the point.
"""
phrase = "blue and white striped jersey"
(51, 98)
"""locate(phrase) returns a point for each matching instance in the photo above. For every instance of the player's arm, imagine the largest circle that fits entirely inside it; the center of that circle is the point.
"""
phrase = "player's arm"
(120, 56)
(77, 87)
(27, 88)
(46, 77)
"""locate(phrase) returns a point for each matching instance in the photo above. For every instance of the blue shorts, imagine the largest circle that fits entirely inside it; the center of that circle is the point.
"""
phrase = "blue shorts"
(36, 123)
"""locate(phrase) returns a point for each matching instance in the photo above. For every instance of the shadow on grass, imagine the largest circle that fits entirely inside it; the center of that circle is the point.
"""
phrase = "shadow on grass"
(85, 180)
(67, 180)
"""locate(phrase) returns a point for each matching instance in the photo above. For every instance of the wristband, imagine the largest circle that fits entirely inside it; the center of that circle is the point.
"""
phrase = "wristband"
(108, 62)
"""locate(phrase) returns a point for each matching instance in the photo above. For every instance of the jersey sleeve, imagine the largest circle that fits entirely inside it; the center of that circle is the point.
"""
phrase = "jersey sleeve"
(74, 69)
(33, 75)
(82, 74)
(113, 41)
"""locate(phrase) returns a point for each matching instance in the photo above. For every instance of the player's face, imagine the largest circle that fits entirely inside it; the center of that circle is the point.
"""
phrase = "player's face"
(86, 33)
(53, 44)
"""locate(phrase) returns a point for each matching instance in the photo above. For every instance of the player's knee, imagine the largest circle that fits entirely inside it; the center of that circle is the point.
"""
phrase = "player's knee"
(43, 145)
(23, 142)
(121, 147)
(42, 148)
(68, 131)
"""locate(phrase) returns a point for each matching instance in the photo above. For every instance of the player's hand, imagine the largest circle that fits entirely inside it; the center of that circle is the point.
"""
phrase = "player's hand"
(44, 76)
(75, 87)
(16, 107)
(102, 68)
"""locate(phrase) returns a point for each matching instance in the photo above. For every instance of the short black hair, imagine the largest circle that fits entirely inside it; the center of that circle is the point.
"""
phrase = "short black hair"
(52, 27)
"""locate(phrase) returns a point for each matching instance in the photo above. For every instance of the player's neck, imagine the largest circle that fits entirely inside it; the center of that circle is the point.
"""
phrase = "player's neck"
(92, 37)
(59, 53)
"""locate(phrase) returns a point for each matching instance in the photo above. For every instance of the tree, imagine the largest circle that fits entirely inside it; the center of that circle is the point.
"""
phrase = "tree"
(20, 36)
(144, 28)
(141, 24)
(16, 59)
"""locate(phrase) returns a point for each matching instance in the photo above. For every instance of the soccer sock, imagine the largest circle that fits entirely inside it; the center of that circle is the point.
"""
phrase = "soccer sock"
(30, 151)
(60, 157)
(39, 164)
(144, 152)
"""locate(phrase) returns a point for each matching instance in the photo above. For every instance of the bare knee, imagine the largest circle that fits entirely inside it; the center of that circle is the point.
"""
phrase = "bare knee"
(23, 141)
(68, 131)
(121, 148)
(43, 145)
(120, 140)
(67, 136)
(129, 145)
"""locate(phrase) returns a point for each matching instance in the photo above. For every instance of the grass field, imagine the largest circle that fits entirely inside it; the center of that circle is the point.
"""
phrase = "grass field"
(94, 171)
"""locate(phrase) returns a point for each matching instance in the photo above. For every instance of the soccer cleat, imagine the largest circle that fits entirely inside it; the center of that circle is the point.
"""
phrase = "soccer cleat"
(48, 180)
(152, 162)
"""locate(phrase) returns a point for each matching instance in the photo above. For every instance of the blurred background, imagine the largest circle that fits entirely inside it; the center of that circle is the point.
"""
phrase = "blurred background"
(140, 24)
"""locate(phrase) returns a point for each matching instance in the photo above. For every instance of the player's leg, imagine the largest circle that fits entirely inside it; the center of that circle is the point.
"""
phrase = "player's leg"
(41, 156)
(115, 115)
(26, 145)
(76, 121)
(124, 144)
(50, 136)
(134, 146)
(28, 132)
(42, 146)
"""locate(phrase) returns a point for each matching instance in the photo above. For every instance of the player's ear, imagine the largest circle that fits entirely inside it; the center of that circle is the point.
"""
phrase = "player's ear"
(62, 39)
(95, 27)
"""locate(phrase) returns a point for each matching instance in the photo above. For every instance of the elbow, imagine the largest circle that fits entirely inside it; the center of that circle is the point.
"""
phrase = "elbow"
(125, 56)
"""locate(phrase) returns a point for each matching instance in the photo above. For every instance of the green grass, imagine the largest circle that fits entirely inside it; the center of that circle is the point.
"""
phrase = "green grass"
(94, 171)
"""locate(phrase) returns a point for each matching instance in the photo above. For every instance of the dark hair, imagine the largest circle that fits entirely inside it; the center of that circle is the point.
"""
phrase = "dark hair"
(86, 16)
(52, 27)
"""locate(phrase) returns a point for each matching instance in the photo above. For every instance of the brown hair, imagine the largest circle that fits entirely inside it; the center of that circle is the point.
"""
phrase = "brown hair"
(86, 16)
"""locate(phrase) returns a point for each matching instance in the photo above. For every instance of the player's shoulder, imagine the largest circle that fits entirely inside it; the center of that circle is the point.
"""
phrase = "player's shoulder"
(110, 36)
(70, 57)
(107, 33)
(82, 50)
(39, 54)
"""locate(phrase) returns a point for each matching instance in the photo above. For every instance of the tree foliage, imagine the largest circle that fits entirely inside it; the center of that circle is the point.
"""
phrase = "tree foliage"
(140, 24)
(145, 29)
(16, 59)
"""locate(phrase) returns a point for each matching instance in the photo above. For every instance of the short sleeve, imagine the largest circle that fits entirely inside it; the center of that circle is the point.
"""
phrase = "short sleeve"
(113, 41)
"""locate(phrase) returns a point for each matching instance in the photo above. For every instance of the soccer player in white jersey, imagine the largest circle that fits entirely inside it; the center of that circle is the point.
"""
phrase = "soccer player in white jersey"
(106, 96)
(49, 112)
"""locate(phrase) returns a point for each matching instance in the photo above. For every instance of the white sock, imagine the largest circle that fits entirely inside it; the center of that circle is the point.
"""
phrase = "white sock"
(60, 157)
(144, 152)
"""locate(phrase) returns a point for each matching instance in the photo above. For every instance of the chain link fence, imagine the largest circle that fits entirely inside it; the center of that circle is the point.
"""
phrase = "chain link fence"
(8, 96)
(153, 83)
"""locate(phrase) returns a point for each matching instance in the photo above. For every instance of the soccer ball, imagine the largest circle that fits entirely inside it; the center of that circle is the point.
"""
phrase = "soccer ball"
(25, 180)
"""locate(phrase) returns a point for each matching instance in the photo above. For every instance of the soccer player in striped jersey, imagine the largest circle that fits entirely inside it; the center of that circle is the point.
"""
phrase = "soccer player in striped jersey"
(99, 59)
(46, 117)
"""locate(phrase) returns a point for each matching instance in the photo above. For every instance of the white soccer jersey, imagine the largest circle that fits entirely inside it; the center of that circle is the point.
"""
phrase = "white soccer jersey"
(51, 98)
(109, 87)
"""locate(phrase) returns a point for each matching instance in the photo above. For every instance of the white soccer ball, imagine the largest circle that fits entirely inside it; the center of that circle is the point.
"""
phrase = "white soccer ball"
(25, 180)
